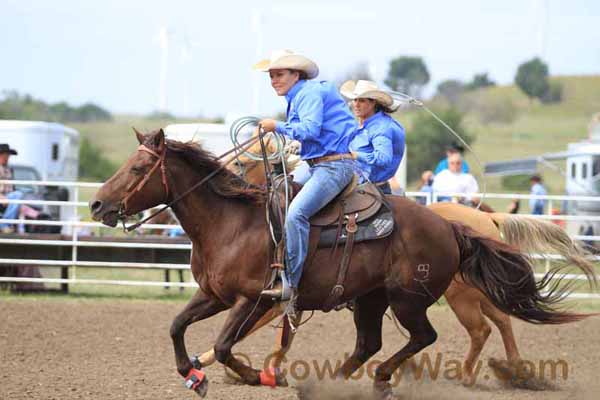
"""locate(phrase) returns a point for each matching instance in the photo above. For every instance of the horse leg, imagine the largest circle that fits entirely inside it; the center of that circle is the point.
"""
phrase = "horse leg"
(242, 317)
(506, 370)
(201, 306)
(465, 302)
(504, 324)
(422, 335)
(368, 316)
(208, 358)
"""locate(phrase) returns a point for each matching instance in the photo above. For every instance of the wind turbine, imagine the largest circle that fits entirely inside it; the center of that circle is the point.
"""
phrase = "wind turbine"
(163, 41)
(256, 22)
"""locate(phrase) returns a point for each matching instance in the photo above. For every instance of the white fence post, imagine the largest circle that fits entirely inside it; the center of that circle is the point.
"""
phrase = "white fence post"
(549, 212)
(75, 234)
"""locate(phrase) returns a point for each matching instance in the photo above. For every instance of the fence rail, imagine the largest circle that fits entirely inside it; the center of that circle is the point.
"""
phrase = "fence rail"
(75, 241)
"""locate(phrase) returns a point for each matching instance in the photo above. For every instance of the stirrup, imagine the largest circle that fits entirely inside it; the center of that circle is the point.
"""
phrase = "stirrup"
(281, 290)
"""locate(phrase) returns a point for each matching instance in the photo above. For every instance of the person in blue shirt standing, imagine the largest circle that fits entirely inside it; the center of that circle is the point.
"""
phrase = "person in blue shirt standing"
(537, 205)
(319, 118)
(454, 148)
(379, 144)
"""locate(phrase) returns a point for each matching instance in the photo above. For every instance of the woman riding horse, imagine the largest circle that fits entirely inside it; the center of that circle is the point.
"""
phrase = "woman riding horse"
(378, 145)
(470, 305)
(320, 120)
(407, 271)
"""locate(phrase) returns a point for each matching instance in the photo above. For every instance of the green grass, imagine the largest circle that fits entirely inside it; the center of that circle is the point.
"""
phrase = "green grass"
(535, 128)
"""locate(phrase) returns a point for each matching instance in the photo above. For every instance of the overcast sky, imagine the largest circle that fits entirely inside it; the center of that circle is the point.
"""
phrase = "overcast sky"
(108, 51)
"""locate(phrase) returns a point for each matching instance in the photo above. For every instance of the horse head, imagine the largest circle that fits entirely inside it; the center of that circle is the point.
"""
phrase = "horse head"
(141, 182)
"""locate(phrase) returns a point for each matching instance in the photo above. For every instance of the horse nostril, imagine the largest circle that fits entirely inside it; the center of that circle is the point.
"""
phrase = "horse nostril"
(95, 206)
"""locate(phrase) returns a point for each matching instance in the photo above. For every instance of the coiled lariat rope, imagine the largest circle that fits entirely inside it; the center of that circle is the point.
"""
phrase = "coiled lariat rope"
(272, 188)
(406, 99)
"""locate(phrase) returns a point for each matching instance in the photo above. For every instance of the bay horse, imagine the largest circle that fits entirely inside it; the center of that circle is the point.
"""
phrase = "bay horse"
(407, 271)
(470, 304)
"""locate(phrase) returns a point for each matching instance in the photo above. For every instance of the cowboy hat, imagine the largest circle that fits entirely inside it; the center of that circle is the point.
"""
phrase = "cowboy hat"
(287, 59)
(5, 148)
(362, 89)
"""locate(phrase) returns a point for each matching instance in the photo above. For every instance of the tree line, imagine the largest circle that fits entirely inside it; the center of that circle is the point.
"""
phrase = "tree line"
(25, 107)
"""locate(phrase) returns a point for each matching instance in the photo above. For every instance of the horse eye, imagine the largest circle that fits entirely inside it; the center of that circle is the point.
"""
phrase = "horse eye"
(137, 170)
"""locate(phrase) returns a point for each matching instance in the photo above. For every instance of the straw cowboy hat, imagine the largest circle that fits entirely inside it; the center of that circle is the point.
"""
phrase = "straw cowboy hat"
(287, 59)
(369, 90)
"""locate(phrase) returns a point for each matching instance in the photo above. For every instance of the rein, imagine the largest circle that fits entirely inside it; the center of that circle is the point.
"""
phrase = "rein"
(161, 162)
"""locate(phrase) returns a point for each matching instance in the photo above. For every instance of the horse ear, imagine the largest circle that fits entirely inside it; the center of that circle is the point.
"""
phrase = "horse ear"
(159, 140)
(140, 136)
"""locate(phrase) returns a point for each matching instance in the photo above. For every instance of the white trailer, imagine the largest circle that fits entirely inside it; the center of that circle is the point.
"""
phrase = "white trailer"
(48, 148)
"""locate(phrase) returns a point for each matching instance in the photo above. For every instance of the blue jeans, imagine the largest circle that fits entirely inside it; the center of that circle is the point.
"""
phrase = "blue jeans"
(12, 209)
(538, 209)
(326, 181)
(385, 188)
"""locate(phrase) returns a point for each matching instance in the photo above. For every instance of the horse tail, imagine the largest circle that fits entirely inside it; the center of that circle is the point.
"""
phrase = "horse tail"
(506, 277)
(537, 236)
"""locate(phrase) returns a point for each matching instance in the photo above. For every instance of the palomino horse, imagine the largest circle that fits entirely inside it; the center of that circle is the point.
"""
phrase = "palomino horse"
(470, 304)
(408, 271)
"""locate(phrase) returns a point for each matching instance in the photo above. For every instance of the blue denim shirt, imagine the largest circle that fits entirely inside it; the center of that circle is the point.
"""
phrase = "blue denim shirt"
(319, 118)
(379, 145)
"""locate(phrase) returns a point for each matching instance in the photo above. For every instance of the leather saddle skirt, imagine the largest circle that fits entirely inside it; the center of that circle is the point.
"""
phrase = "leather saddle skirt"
(364, 202)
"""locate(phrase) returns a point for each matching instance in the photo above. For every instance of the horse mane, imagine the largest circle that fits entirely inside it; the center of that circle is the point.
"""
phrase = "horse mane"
(225, 184)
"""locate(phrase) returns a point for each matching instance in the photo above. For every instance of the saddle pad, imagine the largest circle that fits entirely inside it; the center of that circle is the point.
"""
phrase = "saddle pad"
(378, 226)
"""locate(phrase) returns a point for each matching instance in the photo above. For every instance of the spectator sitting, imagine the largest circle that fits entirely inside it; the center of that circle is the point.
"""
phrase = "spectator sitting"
(454, 148)
(513, 207)
(537, 205)
(453, 180)
(7, 191)
(426, 186)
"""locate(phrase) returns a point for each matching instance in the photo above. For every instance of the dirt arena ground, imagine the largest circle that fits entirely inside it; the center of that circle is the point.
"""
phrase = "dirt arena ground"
(110, 349)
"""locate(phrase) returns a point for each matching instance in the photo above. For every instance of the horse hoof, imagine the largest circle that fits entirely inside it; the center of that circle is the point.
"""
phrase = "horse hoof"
(383, 391)
(281, 380)
(502, 369)
(272, 377)
(197, 381)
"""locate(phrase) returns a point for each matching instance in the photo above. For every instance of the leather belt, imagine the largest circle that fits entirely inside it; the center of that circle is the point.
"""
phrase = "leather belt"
(333, 157)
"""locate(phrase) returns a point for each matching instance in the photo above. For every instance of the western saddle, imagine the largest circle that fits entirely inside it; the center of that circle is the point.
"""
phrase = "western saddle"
(355, 204)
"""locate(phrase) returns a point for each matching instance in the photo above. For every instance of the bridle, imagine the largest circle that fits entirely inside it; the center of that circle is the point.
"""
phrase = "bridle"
(160, 162)
(140, 183)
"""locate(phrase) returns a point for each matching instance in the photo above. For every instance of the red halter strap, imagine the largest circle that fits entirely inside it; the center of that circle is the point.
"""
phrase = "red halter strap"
(142, 182)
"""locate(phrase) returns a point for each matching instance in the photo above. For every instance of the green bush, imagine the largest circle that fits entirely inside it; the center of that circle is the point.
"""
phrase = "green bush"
(553, 94)
(519, 183)
(532, 78)
(427, 140)
(92, 164)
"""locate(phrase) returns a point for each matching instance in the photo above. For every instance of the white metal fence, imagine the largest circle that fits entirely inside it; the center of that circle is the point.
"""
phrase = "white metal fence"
(75, 226)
